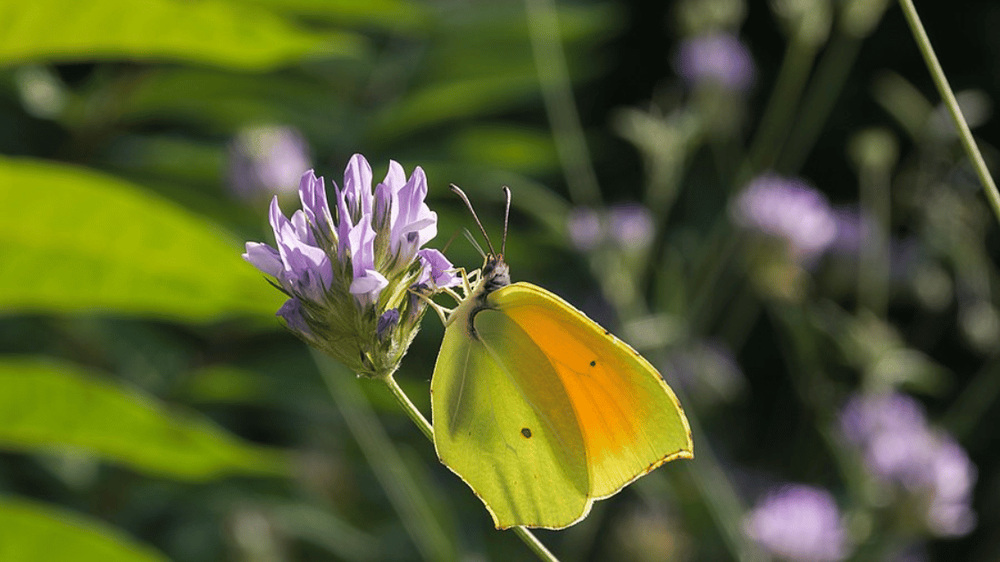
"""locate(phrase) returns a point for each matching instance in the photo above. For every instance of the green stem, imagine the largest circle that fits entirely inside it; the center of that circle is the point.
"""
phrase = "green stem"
(557, 92)
(874, 258)
(941, 81)
(418, 418)
(980, 394)
(400, 487)
(774, 124)
(817, 103)
(725, 505)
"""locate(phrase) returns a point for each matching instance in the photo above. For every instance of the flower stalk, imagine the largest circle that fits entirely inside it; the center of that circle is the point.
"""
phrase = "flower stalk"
(941, 82)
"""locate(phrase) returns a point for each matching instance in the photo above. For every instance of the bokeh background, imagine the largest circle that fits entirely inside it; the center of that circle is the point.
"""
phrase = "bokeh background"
(765, 198)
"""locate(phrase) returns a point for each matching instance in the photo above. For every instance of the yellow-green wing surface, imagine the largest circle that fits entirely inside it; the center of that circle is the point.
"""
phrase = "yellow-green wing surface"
(541, 411)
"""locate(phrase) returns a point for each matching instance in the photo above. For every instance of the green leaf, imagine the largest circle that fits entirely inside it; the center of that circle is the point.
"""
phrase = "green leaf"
(32, 531)
(48, 406)
(517, 149)
(451, 101)
(213, 32)
(76, 240)
(395, 16)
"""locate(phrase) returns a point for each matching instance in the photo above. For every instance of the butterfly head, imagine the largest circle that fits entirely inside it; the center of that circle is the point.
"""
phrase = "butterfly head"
(495, 273)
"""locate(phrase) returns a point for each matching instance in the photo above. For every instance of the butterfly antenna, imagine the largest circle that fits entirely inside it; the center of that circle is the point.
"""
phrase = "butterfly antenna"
(475, 243)
(468, 204)
(450, 240)
(506, 216)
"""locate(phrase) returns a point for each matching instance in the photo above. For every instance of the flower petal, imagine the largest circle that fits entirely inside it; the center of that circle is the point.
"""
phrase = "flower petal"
(358, 186)
(312, 193)
(436, 269)
(291, 312)
(264, 258)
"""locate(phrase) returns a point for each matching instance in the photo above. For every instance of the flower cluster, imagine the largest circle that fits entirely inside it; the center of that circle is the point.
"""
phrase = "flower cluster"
(798, 522)
(353, 271)
(719, 59)
(892, 434)
(788, 209)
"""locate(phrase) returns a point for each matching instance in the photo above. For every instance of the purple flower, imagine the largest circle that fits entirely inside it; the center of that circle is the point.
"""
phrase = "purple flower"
(349, 275)
(798, 522)
(631, 225)
(628, 225)
(266, 160)
(386, 323)
(719, 59)
(305, 268)
(789, 209)
(437, 270)
(413, 223)
(898, 446)
(291, 312)
(585, 229)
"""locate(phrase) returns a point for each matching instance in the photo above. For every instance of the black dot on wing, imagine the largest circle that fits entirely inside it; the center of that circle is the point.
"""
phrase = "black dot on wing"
(593, 363)
(526, 432)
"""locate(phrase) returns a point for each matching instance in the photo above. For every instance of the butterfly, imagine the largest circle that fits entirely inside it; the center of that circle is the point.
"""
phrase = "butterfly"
(539, 409)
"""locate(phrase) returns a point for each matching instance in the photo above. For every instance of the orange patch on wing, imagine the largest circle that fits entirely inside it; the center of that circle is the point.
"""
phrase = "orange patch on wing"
(598, 385)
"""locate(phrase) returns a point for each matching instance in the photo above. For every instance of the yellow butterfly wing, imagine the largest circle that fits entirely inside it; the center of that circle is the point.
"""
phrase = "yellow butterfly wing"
(541, 411)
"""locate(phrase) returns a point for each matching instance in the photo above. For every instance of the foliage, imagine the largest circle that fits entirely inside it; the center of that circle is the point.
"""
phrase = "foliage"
(767, 200)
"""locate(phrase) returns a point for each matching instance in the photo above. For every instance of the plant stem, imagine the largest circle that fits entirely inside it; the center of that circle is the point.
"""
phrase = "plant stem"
(557, 93)
(874, 256)
(941, 81)
(781, 108)
(401, 488)
(408, 407)
(817, 103)
(418, 418)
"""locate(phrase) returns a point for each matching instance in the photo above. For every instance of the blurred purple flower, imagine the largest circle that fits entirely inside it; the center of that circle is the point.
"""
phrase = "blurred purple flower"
(337, 268)
(629, 225)
(789, 209)
(719, 59)
(585, 229)
(897, 445)
(266, 160)
(798, 522)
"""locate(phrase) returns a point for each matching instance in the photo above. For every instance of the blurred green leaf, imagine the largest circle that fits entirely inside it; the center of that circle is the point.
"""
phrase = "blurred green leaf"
(35, 532)
(391, 15)
(213, 32)
(77, 240)
(453, 100)
(227, 384)
(470, 45)
(216, 102)
(517, 149)
(56, 406)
